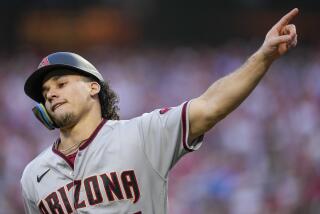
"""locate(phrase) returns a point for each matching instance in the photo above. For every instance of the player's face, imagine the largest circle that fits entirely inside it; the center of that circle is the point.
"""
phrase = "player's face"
(67, 98)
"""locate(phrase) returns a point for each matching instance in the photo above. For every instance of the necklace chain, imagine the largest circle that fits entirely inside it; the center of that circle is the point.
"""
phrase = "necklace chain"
(72, 148)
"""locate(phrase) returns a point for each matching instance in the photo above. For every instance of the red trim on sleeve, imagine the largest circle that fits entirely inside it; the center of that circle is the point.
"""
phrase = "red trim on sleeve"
(184, 127)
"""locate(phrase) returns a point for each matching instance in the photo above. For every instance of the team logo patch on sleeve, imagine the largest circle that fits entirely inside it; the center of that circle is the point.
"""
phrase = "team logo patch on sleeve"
(164, 110)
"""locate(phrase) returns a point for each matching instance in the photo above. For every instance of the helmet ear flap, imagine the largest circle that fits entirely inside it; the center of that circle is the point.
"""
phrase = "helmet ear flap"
(42, 115)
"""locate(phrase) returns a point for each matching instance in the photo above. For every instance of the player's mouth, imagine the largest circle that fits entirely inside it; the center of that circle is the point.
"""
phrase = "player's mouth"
(57, 105)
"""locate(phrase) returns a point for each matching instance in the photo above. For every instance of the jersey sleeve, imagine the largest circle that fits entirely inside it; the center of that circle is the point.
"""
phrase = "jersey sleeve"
(164, 135)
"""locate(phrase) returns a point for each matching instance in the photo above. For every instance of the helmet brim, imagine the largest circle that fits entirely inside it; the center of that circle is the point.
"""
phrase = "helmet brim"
(33, 84)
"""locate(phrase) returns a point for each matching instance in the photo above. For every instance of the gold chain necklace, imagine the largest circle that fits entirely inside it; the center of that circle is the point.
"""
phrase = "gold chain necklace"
(71, 148)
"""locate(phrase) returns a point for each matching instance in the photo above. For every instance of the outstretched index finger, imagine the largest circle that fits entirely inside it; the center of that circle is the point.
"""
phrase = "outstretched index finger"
(287, 18)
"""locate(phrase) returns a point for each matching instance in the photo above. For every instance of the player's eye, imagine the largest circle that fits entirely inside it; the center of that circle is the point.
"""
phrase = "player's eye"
(62, 84)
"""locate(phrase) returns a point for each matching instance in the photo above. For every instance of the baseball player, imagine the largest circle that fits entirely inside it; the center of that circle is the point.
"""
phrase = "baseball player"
(100, 164)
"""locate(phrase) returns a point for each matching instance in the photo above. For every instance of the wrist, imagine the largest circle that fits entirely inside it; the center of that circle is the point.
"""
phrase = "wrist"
(263, 58)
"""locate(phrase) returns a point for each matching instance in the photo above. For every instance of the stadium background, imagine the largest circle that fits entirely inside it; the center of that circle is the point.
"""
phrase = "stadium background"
(264, 158)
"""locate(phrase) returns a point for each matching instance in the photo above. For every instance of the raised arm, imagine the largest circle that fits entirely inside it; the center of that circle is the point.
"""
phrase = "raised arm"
(227, 93)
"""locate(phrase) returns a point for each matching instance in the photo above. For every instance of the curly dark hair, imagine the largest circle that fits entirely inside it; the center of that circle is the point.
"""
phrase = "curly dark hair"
(108, 99)
(109, 102)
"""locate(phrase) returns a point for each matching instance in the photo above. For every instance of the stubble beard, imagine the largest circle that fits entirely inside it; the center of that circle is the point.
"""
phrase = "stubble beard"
(64, 121)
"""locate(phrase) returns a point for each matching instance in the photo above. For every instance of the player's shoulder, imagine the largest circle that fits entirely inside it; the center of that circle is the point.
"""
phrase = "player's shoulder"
(28, 177)
(165, 112)
(113, 126)
(154, 114)
(37, 163)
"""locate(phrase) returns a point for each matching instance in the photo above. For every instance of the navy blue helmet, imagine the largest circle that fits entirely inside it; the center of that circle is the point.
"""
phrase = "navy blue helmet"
(56, 61)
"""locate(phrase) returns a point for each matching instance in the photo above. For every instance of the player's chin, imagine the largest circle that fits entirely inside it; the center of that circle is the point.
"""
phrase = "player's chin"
(61, 111)
(57, 114)
(65, 119)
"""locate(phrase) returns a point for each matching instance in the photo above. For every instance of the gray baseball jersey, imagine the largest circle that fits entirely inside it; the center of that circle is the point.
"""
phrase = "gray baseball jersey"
(122, 168)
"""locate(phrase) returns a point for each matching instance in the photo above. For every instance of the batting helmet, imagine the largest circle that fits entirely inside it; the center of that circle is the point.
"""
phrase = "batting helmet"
(55, 61)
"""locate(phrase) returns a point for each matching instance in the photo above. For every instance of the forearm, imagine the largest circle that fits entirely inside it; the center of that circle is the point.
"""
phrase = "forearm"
(223, 96)
(226, 94)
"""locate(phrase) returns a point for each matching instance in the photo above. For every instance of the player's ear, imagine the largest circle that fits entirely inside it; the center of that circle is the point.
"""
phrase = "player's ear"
(94, 88)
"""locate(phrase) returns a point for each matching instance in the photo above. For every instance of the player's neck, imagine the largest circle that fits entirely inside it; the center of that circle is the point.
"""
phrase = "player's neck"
(80, 131)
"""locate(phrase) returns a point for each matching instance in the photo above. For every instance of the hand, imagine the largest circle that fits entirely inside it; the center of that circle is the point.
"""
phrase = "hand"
(281, 37)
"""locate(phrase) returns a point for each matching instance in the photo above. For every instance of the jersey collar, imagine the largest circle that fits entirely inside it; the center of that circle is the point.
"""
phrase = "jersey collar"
(83, 146)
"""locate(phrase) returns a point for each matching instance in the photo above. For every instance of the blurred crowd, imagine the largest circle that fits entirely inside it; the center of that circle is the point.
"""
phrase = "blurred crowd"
(263, 158)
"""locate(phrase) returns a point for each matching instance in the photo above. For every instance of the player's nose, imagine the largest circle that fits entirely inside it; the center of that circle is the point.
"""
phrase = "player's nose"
(51, 95)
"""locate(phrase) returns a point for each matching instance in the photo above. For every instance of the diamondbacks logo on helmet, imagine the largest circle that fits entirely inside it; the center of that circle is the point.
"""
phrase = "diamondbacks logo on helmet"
(44, 62)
